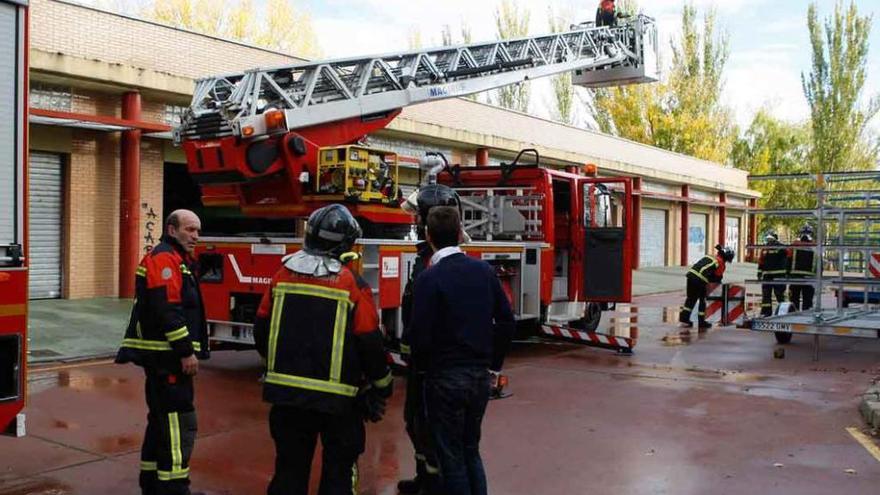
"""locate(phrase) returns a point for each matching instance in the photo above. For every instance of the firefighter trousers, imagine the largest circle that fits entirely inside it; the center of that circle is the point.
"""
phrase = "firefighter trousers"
(768, 291)
(416, 419)
(802, 296)
(295, 432)
(170, 434)
(695, 294)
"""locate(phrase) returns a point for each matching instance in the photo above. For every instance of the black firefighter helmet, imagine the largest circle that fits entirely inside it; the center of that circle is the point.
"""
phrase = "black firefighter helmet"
(331, 231)
(435, 195)
(725, 252)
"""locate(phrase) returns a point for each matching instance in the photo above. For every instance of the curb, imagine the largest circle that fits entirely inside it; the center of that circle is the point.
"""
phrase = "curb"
(869, 406)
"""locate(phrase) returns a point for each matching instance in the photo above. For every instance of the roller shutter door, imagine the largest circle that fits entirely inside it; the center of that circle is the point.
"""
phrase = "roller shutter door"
(652, 238)
(9, 128)
(731, 237)
(697, 236)
(45, 225)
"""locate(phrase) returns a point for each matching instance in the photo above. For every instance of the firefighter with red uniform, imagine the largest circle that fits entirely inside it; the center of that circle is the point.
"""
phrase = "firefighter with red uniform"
(708, 269)
(772, 264)
(318, 329)
(166, 335)
(427, 479)
(803, 266)
(606, 14)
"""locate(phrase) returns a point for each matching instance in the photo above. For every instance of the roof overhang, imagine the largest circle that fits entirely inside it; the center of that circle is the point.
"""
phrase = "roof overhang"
(95, 122)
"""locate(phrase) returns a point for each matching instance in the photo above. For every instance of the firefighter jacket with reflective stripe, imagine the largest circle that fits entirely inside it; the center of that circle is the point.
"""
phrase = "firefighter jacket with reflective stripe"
(168, 318)
(708, 269)
(423, 258)
(773, 263)
(321, 341)
(803, 261)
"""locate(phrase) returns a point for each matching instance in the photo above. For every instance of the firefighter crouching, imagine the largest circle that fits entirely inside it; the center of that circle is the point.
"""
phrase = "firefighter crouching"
(166, 335)
(427, 478)
(772, 264)
(318, 329)
(803, 265)
(708, 269)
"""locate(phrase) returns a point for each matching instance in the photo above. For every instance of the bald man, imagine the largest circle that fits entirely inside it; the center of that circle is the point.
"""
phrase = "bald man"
(167, 335)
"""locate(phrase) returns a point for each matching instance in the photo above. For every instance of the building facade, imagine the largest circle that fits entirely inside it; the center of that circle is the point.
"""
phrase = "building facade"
(105, 89)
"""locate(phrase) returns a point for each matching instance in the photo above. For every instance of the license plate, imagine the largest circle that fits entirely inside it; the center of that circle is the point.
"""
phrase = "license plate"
(771, 326)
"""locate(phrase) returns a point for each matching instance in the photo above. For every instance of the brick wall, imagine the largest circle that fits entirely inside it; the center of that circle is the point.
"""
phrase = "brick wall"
(84, 32)
(152, 215)
(92, 225)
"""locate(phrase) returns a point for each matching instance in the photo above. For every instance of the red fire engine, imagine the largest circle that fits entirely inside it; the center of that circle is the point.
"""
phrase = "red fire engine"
(279, 143)
(13, 223)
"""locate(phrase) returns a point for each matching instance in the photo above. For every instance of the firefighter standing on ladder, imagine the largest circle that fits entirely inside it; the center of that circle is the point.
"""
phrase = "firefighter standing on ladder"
(709, 269)
(318, 328)
(427, 478)
(772, 264)
(167, 335)
(803, 266)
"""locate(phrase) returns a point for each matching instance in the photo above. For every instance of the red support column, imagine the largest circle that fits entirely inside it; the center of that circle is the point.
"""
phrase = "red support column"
(129, 196)
(685, 214)
(637, 220)
(753, 230)
(722, 219)
(482, 157)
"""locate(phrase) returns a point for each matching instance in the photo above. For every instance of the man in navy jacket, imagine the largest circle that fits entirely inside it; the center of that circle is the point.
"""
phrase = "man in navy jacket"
(461, 328)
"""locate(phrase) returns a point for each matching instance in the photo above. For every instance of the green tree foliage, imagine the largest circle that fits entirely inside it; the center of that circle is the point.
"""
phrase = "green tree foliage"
(774, 146)
(682, 113)
(834, 89)
(283, 26)
(563, 91)
(512, 21)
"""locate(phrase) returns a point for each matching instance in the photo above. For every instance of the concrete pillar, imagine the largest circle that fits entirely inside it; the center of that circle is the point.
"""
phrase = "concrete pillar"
(129, 196)
(636, 220)
(482, 157)
(685, 214)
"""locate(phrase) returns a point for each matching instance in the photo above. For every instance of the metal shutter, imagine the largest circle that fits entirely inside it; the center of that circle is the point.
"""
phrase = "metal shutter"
(45, 225)
(8, 111)
(697, 236)
(732, 235)
(652, 238)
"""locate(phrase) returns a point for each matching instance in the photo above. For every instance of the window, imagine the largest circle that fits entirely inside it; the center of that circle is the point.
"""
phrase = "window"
(49, 97)
(173, 113)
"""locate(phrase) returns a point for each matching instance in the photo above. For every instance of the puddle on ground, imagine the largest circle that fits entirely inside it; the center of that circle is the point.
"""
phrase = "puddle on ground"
(37, 487)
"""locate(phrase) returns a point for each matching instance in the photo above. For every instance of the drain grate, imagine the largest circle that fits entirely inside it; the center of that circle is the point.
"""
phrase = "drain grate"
(43, 353)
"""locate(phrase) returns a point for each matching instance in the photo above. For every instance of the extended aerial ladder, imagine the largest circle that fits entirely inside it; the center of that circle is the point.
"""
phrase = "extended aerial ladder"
(252, 138)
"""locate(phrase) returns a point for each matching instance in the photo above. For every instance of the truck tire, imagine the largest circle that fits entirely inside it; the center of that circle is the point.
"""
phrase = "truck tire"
(592, 316)
(783, 337)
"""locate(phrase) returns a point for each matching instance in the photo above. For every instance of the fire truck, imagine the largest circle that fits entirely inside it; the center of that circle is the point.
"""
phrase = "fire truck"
(13, 223)
(278, 143)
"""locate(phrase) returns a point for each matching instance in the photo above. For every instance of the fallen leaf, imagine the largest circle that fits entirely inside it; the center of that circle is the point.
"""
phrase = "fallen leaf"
(779, 465)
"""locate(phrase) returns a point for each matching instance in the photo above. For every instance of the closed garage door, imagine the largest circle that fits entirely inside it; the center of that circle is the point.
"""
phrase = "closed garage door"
(652, 238)
(696, 236)
(45, 225)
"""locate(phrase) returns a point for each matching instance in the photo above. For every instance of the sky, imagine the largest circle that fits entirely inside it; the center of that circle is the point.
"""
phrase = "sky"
(769, 44)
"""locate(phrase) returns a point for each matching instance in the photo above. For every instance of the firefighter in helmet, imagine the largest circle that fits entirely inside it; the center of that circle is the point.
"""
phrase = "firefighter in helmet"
(708, 269)
(802, 266)
(606, 14)
(427, 479)
(318, 329)
(772, 264)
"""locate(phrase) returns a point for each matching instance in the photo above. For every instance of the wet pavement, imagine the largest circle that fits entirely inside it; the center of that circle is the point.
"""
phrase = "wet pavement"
(700, 413)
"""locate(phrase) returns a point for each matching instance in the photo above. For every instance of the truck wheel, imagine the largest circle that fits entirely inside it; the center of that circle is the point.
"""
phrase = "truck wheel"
(592, 316)
(783, 337)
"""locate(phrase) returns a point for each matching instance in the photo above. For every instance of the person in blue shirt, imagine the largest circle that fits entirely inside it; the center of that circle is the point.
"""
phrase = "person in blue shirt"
(460, 331)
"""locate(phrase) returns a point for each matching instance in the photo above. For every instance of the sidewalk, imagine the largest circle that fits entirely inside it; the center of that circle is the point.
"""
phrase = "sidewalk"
(69, 330)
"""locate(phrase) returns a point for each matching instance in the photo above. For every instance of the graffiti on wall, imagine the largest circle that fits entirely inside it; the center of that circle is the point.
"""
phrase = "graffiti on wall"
(152, 229)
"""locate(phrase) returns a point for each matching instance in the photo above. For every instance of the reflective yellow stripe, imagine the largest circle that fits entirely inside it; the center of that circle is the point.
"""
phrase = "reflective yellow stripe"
(153, 345)
(148, 466)
(338, 341)
(699, 275)
(355, 478)
(431, 469)
(174, 432)
(141, 271)
(277, 307)
(802, 272)
(384, 381)
(173, 475)
(313, 290)
(185, 270)
(176, 334)
(311, 384)
(404, 349)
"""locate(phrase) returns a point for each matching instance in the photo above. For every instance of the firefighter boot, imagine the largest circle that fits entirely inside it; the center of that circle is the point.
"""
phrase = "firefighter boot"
(684, 319)
(703, 324)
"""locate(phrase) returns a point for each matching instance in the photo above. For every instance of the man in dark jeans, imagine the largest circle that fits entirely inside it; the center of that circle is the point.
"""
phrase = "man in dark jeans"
(461, 328)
